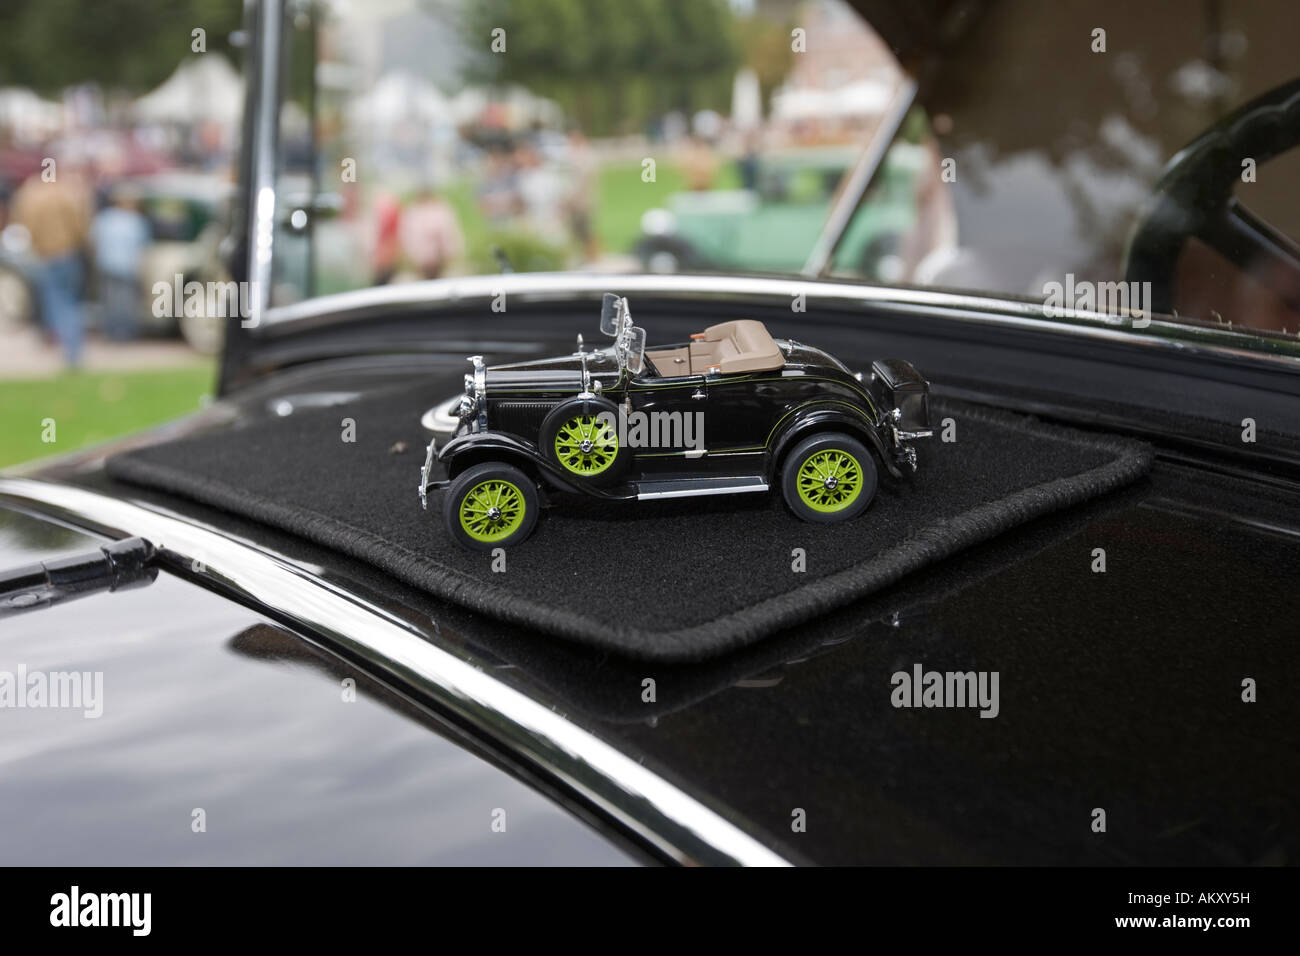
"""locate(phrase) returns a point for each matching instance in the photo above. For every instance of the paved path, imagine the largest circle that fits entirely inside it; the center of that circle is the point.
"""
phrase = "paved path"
(25, 354)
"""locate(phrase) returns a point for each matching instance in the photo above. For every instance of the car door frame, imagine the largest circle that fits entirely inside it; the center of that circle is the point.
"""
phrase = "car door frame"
(687, 394)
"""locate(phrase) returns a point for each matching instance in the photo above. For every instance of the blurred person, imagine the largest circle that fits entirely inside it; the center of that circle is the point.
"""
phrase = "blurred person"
(498, 193)
(119, 236)
(707, 125)
(699, 165)
(56, 215)
(748, 163)
(542, 193)
(582, 191)
(431, 234)
(387, 248)
(932, 240)
(674, 127)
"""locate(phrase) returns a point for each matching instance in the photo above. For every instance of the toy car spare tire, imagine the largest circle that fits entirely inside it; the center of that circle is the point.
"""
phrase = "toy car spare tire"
(828, 477)
(492, 505)
(581, 437)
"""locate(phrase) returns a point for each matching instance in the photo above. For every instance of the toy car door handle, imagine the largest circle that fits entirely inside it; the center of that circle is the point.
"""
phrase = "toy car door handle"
(699, 393)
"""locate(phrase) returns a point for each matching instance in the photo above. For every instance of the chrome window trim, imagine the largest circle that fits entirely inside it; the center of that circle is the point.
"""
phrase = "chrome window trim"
(662, 815)
(263, 79)
(849, 197)
(481, 291)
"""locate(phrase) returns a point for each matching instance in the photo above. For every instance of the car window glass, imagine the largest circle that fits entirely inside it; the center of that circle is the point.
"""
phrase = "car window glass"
(1048, 155)
(447, 139)
(421, 140)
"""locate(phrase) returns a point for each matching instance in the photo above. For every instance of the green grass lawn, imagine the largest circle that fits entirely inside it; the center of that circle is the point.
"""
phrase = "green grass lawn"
(622, 198)
(90, 407)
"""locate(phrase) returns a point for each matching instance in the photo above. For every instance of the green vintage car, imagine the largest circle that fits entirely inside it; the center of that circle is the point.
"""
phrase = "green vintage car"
(772, 228)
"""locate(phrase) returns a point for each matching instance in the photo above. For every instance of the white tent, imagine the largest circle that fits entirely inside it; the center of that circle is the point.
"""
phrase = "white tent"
(863, 98)
(468, 104)
(29, 117)
(203, 87)
(522, 108)
(746, 100)
(401, 97)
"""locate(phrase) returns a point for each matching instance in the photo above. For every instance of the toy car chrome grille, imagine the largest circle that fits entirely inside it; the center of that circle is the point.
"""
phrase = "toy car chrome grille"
(520, 418)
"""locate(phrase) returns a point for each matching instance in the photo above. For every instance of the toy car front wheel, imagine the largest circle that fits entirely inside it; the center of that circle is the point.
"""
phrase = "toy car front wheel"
(829, 477)
(492, 505)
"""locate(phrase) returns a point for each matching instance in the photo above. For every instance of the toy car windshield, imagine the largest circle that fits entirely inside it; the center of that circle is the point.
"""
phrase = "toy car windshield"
(629, 340)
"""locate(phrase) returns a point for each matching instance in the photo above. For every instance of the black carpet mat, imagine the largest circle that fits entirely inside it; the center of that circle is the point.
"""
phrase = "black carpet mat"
(677, 580)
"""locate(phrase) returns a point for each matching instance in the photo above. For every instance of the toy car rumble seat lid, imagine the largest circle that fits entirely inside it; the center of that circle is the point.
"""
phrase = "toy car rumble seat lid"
(743, 345)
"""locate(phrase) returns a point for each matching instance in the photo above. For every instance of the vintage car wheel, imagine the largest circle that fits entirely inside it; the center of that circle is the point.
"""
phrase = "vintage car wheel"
(829, 477)
(491, 505)
(581, 437)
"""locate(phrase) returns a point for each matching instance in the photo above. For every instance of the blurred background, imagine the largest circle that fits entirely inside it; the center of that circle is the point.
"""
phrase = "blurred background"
(423, 139)
(431, 149)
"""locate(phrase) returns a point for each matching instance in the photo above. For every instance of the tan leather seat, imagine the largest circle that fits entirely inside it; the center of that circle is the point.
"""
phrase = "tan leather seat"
(740, 346)
(671, 362)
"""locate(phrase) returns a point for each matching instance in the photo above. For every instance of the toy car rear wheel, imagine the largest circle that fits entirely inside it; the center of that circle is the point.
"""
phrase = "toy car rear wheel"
(829, 477)
(492, 505)
(581, 437)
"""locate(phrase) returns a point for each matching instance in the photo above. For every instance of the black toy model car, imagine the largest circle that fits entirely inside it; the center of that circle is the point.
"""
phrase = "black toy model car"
(734, 410)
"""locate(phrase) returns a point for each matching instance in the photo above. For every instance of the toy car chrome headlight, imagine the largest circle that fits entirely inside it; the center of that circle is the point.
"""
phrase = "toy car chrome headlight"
(468, 400)
(473, 404)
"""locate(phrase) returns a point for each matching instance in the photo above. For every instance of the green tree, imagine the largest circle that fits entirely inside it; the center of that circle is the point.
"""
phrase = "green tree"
(612, 66)
(767, 51)
(126, 45)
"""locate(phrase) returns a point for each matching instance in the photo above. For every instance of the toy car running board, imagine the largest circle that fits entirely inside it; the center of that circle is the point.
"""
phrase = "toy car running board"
(689, 487)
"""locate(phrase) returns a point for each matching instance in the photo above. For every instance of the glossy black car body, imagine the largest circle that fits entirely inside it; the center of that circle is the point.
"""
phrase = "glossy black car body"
(1128, 688)
(1123, 689)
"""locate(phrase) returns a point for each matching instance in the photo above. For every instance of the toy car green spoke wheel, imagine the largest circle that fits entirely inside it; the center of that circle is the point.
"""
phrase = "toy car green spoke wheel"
(830, 480)
(492, 510)
(586, 445)
(492, 505)
(828, 477)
